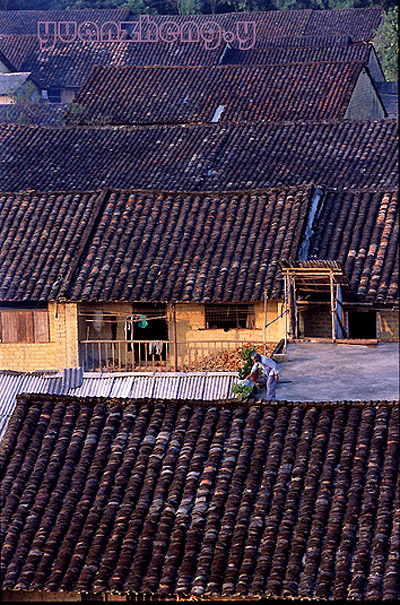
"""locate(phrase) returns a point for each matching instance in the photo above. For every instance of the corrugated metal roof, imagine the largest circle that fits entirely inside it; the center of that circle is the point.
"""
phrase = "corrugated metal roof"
(122, 386)
(173, 385)
(93, 387)
(143, 386)
(217, 386)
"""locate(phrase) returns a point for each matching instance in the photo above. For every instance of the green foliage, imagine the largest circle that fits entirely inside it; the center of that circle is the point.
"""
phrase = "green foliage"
(242, 390)
(386, 43)
(186, 7)
(245, 354)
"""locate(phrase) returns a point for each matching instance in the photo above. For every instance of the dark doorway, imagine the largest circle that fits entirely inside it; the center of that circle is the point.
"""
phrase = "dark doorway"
(157, 329)
(362, 324)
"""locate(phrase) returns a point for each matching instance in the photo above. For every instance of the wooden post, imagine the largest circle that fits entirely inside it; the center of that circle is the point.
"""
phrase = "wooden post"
(175, 337)
(265, 323)
(286, 313)
(296, 323)
(332, 305)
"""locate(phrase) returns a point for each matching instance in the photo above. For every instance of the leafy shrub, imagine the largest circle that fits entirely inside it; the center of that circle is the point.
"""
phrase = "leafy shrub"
(245, 354)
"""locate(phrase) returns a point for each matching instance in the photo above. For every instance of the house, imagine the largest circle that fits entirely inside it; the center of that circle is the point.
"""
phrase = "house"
(62, 60)
(15, 86)
(60, 70)
(139, 499)
(171, 95)
(138, 280)
(180, 290)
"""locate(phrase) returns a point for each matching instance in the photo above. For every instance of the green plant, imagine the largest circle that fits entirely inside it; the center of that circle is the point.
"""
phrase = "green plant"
(242, 390)
(386, 44)
(245, 353)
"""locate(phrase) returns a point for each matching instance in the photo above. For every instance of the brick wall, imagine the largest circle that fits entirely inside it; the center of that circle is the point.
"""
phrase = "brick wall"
(191, 325)
(316, 323)
(388, 322)
(61, 352)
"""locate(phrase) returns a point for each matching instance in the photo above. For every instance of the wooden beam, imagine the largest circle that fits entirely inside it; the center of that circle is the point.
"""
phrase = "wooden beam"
(333, 307)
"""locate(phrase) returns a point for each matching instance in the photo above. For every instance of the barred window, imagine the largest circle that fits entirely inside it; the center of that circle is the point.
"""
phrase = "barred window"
(228, 317)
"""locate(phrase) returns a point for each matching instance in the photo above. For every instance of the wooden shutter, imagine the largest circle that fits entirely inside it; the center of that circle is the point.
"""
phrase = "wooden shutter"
(25, 326)
(9, 324)
(41, 326)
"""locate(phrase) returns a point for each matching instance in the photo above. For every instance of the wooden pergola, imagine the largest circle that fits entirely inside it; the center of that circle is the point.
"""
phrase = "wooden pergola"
(310, 277)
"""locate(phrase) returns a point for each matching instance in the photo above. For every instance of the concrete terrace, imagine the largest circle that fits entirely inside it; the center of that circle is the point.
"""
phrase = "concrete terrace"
(335, 372)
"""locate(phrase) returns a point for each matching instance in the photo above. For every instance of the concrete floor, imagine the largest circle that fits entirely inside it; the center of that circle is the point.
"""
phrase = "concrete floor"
(332, 372)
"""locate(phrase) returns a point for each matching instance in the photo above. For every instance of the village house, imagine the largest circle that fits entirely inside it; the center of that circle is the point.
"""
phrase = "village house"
(134, 280)
(18, 86)
(173, 95)
(62, 64)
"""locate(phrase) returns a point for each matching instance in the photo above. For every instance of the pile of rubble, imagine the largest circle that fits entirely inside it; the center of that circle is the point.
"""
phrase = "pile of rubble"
(224, 361)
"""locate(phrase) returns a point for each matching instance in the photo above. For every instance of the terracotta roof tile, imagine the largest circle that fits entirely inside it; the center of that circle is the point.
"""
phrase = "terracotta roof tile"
(191, 247)
(39, 235)
(148, 246)
(361, 231)
(343, 155)
(68, 64)
(26, 21)
(199, 500)
(299, 50)
(168, 95)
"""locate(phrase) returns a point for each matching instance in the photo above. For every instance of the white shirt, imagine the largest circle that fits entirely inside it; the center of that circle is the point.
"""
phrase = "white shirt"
(267, 366)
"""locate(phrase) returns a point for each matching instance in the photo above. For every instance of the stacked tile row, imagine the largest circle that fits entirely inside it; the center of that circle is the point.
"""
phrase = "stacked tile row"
(186, 499)
(173, 95)
(191, 247)
(40, 235)
(207, 157)
(361, 231)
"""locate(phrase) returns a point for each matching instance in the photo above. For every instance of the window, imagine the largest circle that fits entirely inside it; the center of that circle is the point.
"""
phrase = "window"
(54, 95)
(227, 317)
(362, 324)
(24, 325)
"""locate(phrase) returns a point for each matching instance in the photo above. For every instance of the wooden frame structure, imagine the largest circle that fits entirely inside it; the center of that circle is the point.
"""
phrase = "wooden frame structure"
(310, 277)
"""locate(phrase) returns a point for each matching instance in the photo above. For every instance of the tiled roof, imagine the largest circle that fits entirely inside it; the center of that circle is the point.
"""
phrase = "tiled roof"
(33, 113)
(148, 246)
(361, 231)
(343, 155)
(197, 500)
(40, 235)
(359, 24)
(168, 95)
(297, 52)
(25, 21)
(177, 385)
(190, 247)
(68, 64)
